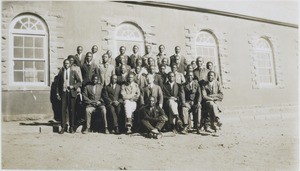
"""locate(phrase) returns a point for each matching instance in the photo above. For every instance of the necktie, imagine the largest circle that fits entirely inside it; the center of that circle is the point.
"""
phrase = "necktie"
(67, 75)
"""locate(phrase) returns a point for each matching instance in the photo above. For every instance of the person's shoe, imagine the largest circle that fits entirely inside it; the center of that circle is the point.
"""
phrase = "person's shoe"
(198, 131)
(62, 131)
(106, 131)
(71, 130)
(117, 130)
(113, 131)
(84, 131)
(155, 131)
(150, 135)
(155, 136)
(184, 131)
(174, 131)
(129, 130)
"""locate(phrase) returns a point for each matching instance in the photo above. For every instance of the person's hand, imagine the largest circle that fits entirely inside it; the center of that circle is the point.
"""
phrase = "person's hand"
(98, 103)
(58, 97)
(71, 87)
(78, 90)
(116, 103)
(160, 105)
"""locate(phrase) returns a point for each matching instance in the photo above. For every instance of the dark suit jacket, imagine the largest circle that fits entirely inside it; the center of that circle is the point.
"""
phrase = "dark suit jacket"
(110, 94)
(158, 80)
(153, 115)
(88, 71)
(122, 79)
(118, 60)
(77, 61)
(192, 92)
(154, 91)
(89, 96)
(118, 70)
(142, 81)
(183, 61)
(132, 60)
(176, 92)
(201, 75)
(74, 81)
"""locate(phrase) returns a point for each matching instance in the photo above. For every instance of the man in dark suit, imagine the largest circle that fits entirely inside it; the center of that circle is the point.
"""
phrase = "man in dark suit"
(88, 69)
(200, 72)
(157, 77)
(173, 96)
(122, 76)
(153, 117)
(134, 56)
(161, 55)
(191, 103)
(139, 78)
(182, 59)
(93, 99)
(152, 90)
(113, 100)
(79, 57)
(68, 83)
(121, 56)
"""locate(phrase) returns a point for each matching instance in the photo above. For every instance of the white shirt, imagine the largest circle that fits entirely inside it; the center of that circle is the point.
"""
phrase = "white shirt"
(171, 84)
(66, 80)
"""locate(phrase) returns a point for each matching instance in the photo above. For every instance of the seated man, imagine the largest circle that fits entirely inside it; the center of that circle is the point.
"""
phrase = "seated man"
(113, 100)
(153, 117)
(130, 93)
(173, 95)
(192, 102)
(179, 77)
(92, 97)
(152, 90)
(212, 96)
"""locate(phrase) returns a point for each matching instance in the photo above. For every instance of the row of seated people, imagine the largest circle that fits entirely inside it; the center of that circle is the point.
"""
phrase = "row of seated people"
(125, 96)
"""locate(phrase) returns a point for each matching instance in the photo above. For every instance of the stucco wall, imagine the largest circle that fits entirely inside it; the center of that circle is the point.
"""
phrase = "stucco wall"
(88, 23)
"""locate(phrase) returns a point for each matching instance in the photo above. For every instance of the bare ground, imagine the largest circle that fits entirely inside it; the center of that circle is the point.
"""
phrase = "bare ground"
(242, 145)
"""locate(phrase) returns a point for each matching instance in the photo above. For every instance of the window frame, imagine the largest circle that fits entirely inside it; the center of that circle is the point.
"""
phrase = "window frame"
(29, 33)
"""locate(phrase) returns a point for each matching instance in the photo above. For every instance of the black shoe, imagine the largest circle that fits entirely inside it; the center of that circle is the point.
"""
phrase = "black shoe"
(106, 131)
(71, 130)
(62, 131)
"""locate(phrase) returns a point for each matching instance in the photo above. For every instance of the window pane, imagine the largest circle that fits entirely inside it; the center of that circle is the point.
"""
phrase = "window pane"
(18, 65)
(28, 65)
(18, 76)
(39, 42)
(28, 41)
(29, 76)
(18, 52)
(40, 65)
(39, 27)
(40, 77)
(39, 53)
(28, 53)
(18, 25)
(18, 41)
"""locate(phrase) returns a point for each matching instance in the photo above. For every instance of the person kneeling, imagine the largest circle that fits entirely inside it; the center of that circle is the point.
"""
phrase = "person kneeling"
(153, 117)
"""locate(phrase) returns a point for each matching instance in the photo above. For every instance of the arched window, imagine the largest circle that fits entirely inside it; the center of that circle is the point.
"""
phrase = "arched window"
(206, 47)
(129, 35)
(28, 51)
(265, 62)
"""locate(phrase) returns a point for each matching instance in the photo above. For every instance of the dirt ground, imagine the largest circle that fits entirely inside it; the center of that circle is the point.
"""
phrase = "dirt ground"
(242, 145)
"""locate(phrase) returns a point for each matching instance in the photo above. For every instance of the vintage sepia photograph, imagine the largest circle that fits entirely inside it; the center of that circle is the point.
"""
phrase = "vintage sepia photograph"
(150, 85)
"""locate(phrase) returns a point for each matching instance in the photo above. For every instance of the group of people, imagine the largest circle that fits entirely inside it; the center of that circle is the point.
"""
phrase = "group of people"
(138, 93)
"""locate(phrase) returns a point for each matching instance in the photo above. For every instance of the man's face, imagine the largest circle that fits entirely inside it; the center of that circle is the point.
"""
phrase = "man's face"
(79, 50)
(114, 79)
(135, 49)
(109, 53)
(95, 80)
(177, 50)
(148, 49)
(162, 69)
(199, 62)
(164, 61)
(150, 61)
(190, 68)
(152, 69)
(150, 79)
(209, 66)
(137, 69)
(130, 78)
(94, 49)
(139, 62)
(177, 59)
(174, 68)
(105, 58)
(190, 76)
(123, 69)
(211, 77)
(67, 64)
(89, 57)
(151, 101)
(122, 50)
(171, 77)
(71, 61)
(161, 49)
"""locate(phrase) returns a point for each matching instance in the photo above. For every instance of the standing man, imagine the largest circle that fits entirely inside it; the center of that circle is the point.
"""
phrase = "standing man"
(134, 56)
(153, 117)
(179, 77)
(68, 82)
(106, 70)
(88, 69)
(200, 72)
(121, 56)
(96, 57)
(182, 59)
(212, 96)
(210, 67)
(173, 95)
(157, 77)
(180, 66)
(147, 55)
(165, 62)
(130, 93)
(74, 66)
(122, 63)
(79, 57)
(113, 100)
(152, 90)
(122, 76)
(191, 103)
(139, 78)
(161, 55)
(110, 60)
(93, 99)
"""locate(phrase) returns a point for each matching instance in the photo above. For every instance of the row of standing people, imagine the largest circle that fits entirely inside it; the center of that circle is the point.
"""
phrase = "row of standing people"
(179, 93)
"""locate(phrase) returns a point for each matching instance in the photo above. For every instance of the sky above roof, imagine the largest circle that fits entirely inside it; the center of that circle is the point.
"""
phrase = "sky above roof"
(278, 10)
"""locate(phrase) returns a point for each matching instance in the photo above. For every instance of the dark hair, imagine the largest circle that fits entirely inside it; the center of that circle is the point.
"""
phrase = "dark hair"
(66, 60)
(95, 75)
(89, 53)
(211, 72)
(70, 56)
(208, 63)
(161, 45)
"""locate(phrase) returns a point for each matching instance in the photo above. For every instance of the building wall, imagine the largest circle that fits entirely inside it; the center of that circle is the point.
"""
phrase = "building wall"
(87, 23)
